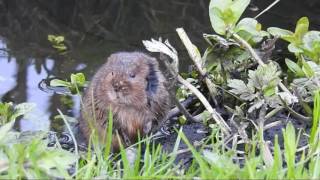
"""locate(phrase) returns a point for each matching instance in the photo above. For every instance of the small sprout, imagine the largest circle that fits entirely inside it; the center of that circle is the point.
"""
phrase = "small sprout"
(182, 120)
(77, 82)
(57, 43)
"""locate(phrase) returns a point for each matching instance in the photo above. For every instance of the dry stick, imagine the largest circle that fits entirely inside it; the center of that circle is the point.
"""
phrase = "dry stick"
(176, 111)
(182, 109)
(266, 9)
(215, 115)
(296, 114)
(196, 58)
(256, 57)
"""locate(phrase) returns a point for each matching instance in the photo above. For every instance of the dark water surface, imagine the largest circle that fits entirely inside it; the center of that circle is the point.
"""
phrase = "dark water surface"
(95, 28)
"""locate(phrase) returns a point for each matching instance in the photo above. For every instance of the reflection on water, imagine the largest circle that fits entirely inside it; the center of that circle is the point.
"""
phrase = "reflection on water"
(8, 70)
(95, 28)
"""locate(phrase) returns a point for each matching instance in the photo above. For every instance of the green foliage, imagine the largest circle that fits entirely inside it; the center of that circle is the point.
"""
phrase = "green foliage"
(301, 41)
(308, 84)
(295, 39)
(265, 79)
(57, 43)
(315, 131)
(24, 155)
(34, 160)
(223, 57)
(224, 17)
(9, 112)
(6, 112)
(224, 14)
(261, 88)
(295, 68)
(77, 81)
(290, 145)
(250, 30)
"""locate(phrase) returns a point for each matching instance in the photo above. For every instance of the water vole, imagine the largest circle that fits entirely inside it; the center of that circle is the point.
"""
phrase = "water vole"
(131, 84)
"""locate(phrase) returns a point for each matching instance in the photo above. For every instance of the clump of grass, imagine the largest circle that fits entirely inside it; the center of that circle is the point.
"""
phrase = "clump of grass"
(30, 157)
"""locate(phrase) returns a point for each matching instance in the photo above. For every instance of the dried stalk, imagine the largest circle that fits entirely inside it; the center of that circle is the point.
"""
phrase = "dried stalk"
(215, 115)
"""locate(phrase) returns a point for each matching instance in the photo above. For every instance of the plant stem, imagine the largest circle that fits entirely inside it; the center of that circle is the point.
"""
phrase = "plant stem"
(196, 58)
(215, 115)
(256, 57)
(73, 138)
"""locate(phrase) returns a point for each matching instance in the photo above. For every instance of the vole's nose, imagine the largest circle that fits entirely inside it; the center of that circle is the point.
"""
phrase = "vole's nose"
(117, 85)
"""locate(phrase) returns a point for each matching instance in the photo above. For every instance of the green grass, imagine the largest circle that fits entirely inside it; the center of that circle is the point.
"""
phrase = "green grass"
(27, 156)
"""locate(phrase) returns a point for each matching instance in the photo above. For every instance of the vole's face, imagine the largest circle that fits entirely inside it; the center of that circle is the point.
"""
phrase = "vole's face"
(128, 81)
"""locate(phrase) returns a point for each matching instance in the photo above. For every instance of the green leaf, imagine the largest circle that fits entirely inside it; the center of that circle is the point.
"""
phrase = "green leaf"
(269, 91)
(311, 39)
(279, 32)
(57, 42)
(4, 130)
(78, 79)
(301, 28)
(294, 67)
(240, 88)
(308, 71)
(315, 121)
(225, 13)
(220, 4)
(60, 47)
(238, 7)
(55, 39)
(249, 25)
(6, 111)
(61, 83)
(22, 109)
(264, 77)
(217, 23)
(51, 37)
(59, 39)
(54, 162)
(290, 147)
(250, 30)
(294, 49)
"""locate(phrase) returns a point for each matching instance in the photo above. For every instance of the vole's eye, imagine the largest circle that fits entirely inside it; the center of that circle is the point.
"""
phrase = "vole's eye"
(132, 75)
(112, 73)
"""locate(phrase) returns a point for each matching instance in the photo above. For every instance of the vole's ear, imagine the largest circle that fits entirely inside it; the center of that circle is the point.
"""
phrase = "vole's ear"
(152, 79)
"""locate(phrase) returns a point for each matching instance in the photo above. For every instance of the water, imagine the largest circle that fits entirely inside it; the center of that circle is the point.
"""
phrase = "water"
(93, 29)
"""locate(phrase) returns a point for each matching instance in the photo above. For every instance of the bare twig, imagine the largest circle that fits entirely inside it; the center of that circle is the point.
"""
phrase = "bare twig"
(215, 115)
(182, 109)
(266, 9)
(175, 111)
(294, 113)
(273, 124)
(273, 112)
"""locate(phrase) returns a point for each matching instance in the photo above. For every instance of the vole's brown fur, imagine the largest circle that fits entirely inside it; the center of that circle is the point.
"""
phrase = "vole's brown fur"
(131, 84)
